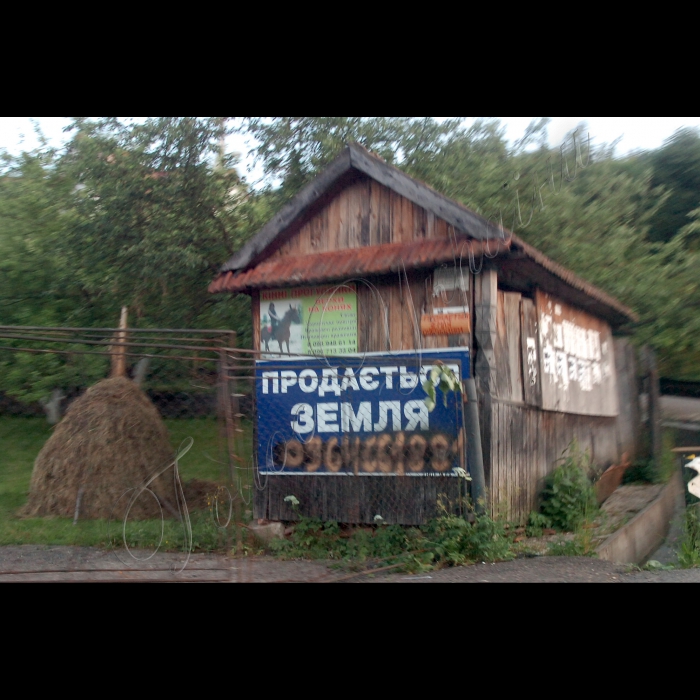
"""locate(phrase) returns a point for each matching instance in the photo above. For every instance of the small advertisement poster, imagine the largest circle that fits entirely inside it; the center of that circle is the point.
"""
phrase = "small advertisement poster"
(360, 416)
(311, 321)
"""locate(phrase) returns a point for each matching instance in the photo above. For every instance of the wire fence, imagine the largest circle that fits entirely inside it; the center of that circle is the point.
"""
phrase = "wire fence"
(351, 439)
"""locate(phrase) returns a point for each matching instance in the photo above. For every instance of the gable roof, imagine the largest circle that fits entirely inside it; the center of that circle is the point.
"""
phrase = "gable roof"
(522, 266)
(352, 162)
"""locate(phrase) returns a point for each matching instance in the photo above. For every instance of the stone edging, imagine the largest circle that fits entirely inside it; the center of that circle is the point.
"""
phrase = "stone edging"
(640, 538)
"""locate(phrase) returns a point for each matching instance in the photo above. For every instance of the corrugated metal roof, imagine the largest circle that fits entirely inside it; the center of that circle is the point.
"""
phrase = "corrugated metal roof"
(360, 262)
(572, 280)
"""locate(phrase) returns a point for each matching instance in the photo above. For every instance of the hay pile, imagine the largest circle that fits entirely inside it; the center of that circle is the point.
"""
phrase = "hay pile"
(111, 440)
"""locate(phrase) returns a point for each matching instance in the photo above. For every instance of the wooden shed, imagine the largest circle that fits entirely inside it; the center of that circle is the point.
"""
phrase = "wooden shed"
(427, 274)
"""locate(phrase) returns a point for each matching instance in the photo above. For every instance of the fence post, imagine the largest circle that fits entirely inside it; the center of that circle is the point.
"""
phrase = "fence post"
(231, 415)
(119, 353)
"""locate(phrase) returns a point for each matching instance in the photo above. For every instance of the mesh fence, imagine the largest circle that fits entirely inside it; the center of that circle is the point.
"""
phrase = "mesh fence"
(353, 440)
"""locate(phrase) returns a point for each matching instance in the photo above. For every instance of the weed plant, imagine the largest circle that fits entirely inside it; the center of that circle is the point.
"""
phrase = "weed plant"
(689, 555)
(569, 499)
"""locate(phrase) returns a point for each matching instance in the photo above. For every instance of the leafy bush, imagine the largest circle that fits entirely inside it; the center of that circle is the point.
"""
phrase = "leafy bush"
(453, 541)
(646, 471)
(641, 472)
(689, 556)
(537, 524)
(569, 499)
(447, 541)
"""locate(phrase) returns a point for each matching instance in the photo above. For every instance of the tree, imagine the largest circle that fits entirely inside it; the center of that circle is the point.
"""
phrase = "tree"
(596, 220)
(676, 168)
(140, 214)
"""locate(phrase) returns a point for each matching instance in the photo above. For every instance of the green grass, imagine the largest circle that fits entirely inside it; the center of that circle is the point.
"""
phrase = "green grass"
(21, 440)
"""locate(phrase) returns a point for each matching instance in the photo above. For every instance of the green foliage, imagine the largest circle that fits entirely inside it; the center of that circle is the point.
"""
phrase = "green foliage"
(444, 379)
(143, 213)
(569, 499)
(646, 471)
(129, 214)
(689, 555)
(453, 541)
(676, 167)
(447, 541)
(641, 472)
(537, 524)
(603, 225)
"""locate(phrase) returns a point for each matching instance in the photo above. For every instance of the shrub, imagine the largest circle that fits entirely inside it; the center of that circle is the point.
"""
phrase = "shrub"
(569, 499)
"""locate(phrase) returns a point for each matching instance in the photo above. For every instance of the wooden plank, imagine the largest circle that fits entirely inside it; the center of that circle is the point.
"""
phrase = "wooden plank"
(508, 348)
(395, 318)
(430, 224)
(318, 231)
(353, 217)
(379, 314)
(420, 223)
(385, 216)
(331, 240)
(375, 208)
(514, 334)
(407, 220)
(364, 304)
(365, 212)
(417, 304)
(257, 332)
(397, 220)
(408, 319)
(442, 229)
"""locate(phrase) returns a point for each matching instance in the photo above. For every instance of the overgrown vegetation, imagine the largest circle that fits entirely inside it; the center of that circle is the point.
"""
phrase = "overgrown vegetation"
(445, 542)
(646, 471)
(689, 554)
(569, 499)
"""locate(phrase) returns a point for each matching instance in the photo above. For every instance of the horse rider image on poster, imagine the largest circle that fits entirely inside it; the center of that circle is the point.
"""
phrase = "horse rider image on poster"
(283, 329)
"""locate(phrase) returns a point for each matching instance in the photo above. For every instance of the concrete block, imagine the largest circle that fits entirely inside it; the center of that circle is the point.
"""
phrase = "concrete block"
(643, 536)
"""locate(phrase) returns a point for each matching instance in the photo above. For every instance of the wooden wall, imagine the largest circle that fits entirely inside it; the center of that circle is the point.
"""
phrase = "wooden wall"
(522, 442)
(389, 314)
(364, 214)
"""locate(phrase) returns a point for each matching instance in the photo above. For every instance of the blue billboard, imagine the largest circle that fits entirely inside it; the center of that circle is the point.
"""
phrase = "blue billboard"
(360, 416)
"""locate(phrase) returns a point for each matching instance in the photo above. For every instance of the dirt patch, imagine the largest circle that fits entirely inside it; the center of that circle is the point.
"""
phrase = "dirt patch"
(200, 495)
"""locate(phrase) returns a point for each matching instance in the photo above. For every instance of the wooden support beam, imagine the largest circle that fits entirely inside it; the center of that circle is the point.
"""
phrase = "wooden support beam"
(119, 356)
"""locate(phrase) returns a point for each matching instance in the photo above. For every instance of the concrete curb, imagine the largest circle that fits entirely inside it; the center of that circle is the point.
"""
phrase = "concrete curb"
(644, 535)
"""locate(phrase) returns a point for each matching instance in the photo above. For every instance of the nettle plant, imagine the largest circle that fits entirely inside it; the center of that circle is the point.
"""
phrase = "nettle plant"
(444, 379)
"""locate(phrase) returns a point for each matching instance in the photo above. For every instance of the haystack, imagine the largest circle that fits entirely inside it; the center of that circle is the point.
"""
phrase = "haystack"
(111, 440)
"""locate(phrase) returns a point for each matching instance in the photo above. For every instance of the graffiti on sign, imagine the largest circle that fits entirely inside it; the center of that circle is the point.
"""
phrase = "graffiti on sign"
(577, 360)
(368, 417)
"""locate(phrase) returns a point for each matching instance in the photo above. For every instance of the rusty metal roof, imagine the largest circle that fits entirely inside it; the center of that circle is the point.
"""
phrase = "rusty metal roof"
(359, 262)
(521, 265)
(586, 295)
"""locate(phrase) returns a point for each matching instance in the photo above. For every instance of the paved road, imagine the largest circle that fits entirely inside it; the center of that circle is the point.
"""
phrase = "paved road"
(73, 565)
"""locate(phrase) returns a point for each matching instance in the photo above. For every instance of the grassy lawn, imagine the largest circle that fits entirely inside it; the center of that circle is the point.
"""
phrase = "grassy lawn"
(21, 440)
